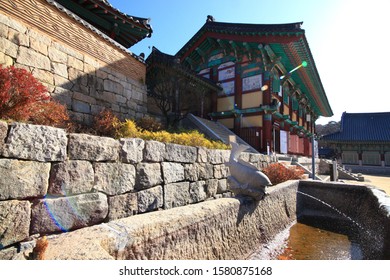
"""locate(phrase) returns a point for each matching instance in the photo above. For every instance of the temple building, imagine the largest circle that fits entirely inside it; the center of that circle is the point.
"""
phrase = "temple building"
(272, 92)
(363, 139)
(79, 49)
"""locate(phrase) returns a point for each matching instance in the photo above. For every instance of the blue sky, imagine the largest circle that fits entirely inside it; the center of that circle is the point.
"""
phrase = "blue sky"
(349, 39)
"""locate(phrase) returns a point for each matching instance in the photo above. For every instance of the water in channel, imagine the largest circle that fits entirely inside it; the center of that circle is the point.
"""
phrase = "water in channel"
(307, 242)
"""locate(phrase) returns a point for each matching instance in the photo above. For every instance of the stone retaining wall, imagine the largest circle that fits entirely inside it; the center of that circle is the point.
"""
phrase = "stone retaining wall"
(79, 68)
(51, 181)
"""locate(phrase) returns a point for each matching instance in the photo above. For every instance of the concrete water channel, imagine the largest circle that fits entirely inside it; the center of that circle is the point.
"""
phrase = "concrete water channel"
(334, 222)
(238, 228)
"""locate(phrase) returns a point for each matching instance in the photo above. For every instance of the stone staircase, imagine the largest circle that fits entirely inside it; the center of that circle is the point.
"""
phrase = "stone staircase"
(217, 131)
(347, 175)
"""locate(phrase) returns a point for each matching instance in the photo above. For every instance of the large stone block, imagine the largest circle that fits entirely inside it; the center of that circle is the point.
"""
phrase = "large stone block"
(180, 153)
(114, 178)
(57, 55)
(92, 148)
(122, 206)
(218, 156)
(71, 177)
(202, 154)
(176, 194)
(221, 171)
(81, 107)
(36, 142)
(205, 171)
(148, 175)
(198, 191)
(112, 86)
(68, 213)
(211, 187)
(132, 150)
(150, 199)
(3, 135)
(14, 221)
(23, 179)
(191, 172)
(154, 151)
(172, 172)
(222, 186)
(29, 57)
(198, 171)
(8, 47)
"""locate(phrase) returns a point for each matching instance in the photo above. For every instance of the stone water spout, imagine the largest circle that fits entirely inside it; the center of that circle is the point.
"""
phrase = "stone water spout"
(245, 178)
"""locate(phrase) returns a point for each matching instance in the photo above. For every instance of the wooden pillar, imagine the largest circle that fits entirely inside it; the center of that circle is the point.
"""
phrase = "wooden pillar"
(237, 99)
(267, 132)
(267, 118)
(214, 97)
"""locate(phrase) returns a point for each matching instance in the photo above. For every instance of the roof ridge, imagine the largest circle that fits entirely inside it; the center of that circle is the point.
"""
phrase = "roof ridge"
(143, 21)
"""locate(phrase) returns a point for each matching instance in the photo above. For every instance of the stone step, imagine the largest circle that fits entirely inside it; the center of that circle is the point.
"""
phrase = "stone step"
(217, 131)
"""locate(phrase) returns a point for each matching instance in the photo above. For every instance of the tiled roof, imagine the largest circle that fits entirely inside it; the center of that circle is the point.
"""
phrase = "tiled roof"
(362, 127)
(257, 28)
(143, 21)
(125, 29)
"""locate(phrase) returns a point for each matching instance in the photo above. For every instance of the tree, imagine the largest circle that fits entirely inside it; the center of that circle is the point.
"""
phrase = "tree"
(173, 89)
(329, 128)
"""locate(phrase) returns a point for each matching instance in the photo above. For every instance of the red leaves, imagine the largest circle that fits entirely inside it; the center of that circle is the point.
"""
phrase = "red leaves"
(279, 173)
(106, 123)
(18, 91)
(23, 98)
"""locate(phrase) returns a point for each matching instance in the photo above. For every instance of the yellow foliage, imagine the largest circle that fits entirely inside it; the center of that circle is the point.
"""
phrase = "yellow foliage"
(129, 129)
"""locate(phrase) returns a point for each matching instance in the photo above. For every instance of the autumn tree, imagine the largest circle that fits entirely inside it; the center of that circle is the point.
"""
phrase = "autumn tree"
(24, 98)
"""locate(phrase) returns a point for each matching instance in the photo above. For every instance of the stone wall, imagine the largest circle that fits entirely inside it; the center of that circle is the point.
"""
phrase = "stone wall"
(80, 68)
(51, 181)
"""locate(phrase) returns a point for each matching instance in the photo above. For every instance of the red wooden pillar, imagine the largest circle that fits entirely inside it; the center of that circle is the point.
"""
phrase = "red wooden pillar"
(214, 97)
(237, 100)
(267, 132)
(267, 118)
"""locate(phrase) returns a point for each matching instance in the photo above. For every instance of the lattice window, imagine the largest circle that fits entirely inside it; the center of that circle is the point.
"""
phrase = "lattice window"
(371, 158)
(350, 157)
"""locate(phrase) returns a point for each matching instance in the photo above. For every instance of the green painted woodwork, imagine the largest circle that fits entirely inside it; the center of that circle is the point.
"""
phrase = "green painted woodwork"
(295, 104)
(86, 14)
(275, 84)
(126, 33)
(286, 98)
(286, 57)
(237, 112)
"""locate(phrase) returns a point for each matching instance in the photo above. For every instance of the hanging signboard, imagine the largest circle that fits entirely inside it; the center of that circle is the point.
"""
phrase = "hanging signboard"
(283, 142)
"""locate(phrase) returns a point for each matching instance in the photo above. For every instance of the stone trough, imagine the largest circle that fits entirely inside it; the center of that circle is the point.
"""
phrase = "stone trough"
(230, 228)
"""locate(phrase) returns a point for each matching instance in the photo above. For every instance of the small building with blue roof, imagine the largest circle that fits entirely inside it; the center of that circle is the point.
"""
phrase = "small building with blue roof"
(363, 139)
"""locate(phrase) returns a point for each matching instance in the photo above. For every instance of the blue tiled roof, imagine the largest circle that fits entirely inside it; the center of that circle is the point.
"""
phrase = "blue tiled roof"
(362, 127)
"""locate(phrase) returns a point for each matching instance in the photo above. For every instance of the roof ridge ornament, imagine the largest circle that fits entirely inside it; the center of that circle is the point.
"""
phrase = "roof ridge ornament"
(210, 18)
